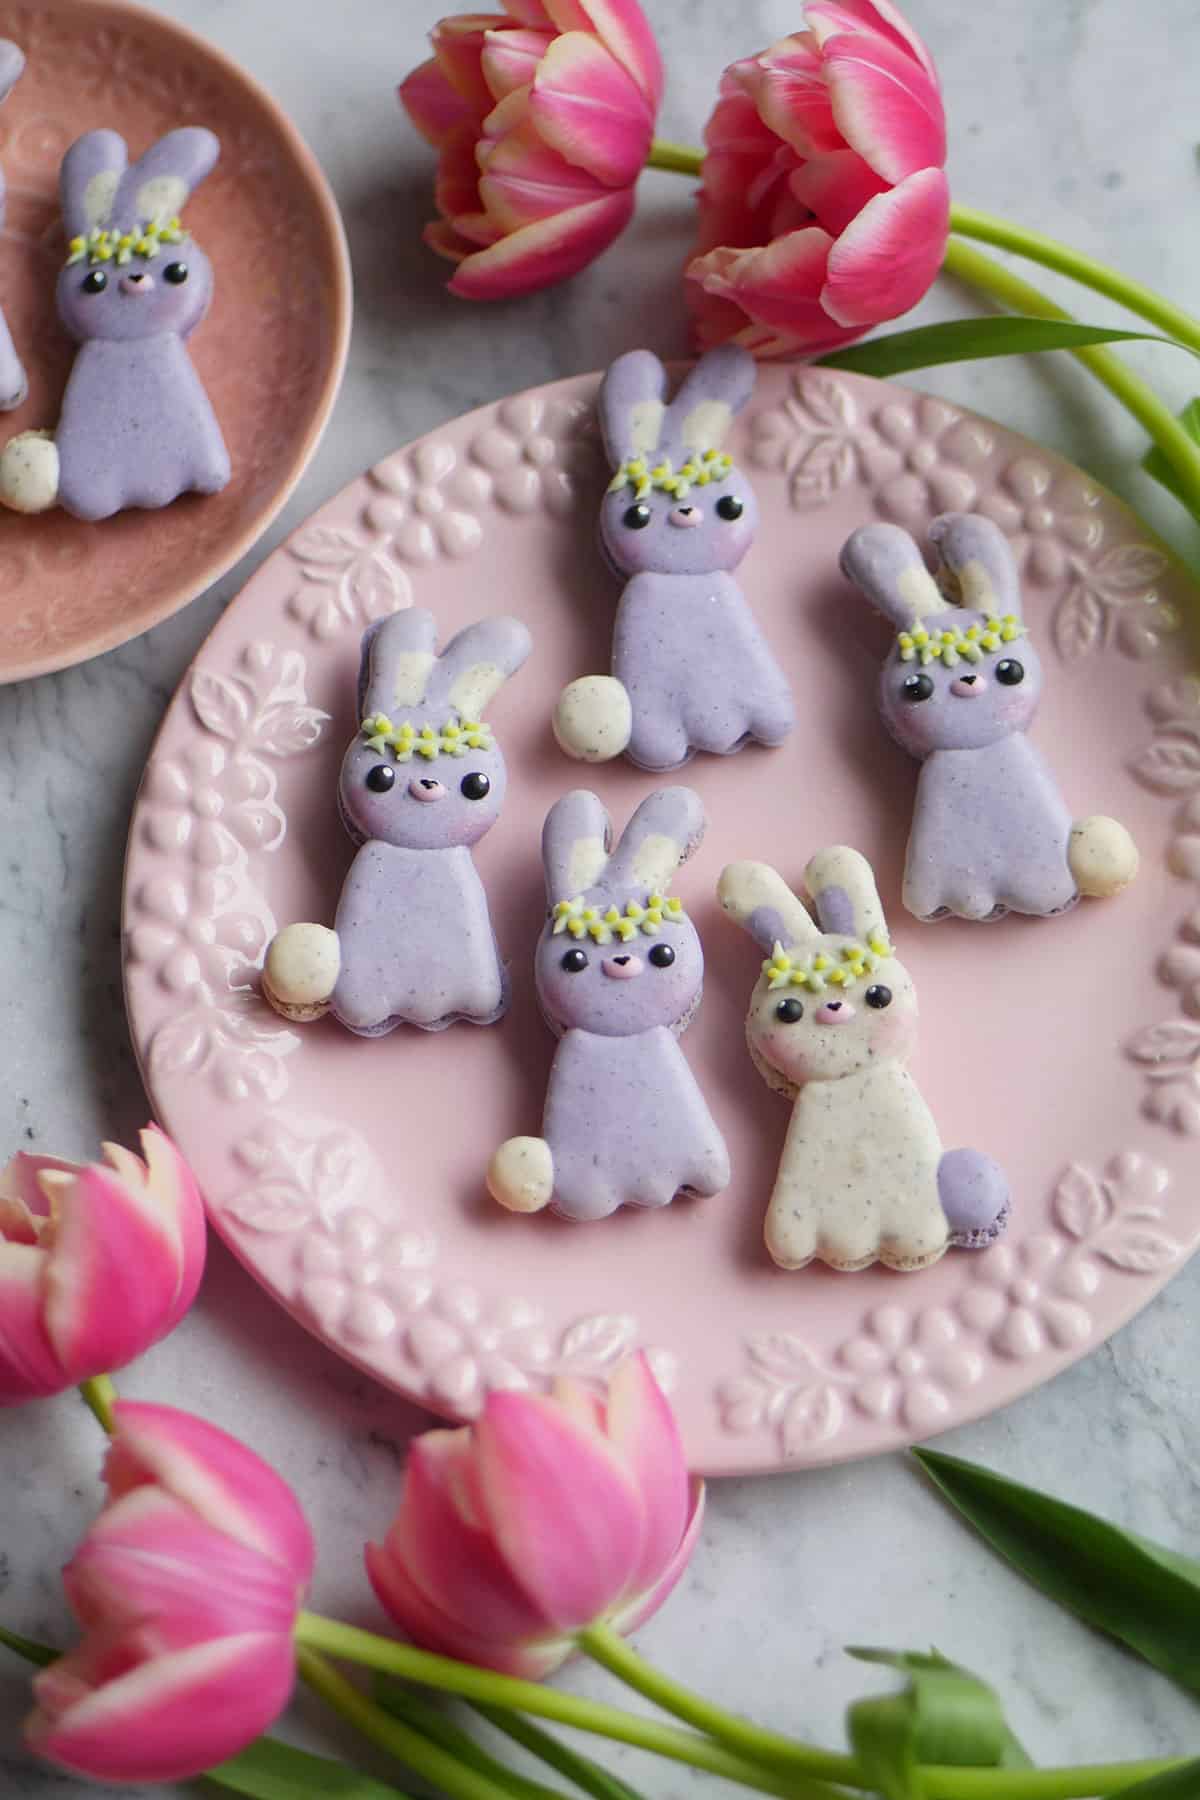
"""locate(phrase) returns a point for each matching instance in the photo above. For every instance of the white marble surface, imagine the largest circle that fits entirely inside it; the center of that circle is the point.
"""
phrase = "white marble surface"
(1079, 118)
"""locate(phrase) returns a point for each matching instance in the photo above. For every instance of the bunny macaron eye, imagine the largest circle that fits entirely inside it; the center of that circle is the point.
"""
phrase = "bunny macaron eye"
(878, 996)
(662, 956)
(637, 517)
(381, 779)
(730, 507)
(1009, 672)
(916, 688)
(575, 961)
(94, 282)
(475, 786)
(176, 273)
(790, 1012)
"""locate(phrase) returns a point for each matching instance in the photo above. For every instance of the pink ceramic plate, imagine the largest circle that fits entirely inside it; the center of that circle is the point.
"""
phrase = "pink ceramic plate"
(270, 353)
(348, 1174)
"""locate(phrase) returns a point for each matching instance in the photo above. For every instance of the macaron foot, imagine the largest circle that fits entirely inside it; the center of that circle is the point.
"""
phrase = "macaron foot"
(593, 721)
(301, 971)
(29, 472)
(521, 1175)
(1102, 856)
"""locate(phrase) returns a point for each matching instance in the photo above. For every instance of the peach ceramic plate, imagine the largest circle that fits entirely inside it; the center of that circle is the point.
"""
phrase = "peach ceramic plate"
(348, 1173)
(270, 352)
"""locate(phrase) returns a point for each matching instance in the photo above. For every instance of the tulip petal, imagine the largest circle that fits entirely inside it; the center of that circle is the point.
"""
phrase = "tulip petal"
(458, 50)
(886, 108)
(21, 1189)
(224, 1482)
(421, 1620)
(835, 188)
(788, 86)
(29, 1368)
(642, 1430)
(170, 1179)
(511, 58)
(647, 1604)
(435, 108)
(540, 254)
(150, 1558)
(590, 109)
(777, 284)
(523, 181)
(826, 18)
(623, 28)
(529, 12)
(887, 259)
(565, 1513)
(171, 1717)
(442, 1542)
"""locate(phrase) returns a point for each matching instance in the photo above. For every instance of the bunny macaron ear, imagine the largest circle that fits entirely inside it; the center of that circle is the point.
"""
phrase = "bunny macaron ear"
(630, 405)
(475, 665)
(758, 899)
(663, 832)
(88, 181)
(12, 64)
(397, 657)
(842, 885)
(575, 844)
(156, 187)
(885, 564)
(709, 396)
(977, 559)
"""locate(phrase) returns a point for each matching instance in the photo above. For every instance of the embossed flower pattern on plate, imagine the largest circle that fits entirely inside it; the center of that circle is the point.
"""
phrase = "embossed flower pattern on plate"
(928, 460)
(529, 451)
(429, 502)
(910, 1364)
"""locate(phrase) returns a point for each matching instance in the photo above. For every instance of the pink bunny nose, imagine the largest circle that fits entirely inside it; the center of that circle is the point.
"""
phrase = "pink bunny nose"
(834, 1012)
(968, 686)
(422, 788)
(139, 281)
(622, 968)
(686, 516)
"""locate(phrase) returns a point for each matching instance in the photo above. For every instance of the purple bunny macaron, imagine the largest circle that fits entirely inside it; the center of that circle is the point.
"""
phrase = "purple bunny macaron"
(691, 669)
(421, 783)
(13, 385)
(619, 970)
(136, 427)
(990, 833)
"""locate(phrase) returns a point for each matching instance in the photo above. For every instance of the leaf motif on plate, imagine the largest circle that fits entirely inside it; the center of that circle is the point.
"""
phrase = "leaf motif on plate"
(782, 1357)
(273, 1207)
(325, 547)
(1080, 1204)
(1078, 622)
(598, 1340)
(1140, 1252)
(1171, 763)
(221, 705)
(1170, 1041)
(813, 1416)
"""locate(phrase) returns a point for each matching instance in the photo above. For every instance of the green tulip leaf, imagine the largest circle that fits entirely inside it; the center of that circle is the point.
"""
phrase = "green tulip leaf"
(972, 340)
(1180, 1783)
(41, 1654)
(945, 1715)
(1144, 1595)
(1160, 466)
(269, 1770)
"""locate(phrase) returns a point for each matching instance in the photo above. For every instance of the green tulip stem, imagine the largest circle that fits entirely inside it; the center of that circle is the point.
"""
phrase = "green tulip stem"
(100, 1396)
(443, 1771)
(1036, 247)
(441, 1672)
(679, 157)
(1041, 1784)
(609, 1649)
(1154, 415)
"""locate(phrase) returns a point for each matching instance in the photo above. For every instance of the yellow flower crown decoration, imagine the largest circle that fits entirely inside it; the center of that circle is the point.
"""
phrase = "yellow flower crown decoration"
(581, 920)
(827, 969)
(146, 240)
(971, 645)
(455, 737)
(644, 476)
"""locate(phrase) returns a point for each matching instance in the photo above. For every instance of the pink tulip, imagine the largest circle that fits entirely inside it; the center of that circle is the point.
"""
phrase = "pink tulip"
(543, 117)
(825, 208)
(547, 1515)
(187, 1587)
(96, 1263)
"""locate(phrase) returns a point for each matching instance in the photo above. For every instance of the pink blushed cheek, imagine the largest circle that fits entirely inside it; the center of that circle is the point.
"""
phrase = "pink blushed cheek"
(782, 1047)
(894, 1031)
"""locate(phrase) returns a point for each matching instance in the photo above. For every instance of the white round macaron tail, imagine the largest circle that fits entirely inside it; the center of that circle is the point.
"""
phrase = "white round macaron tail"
(521, 1175)
(301, 971)
(593, 721)
(1102, 856)
(29, 472)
